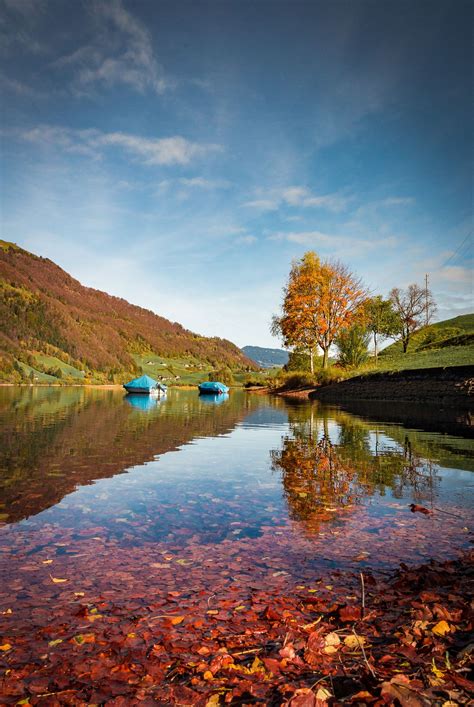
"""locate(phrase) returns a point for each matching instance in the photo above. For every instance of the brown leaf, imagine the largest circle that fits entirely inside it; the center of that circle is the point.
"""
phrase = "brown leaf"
(399, 689)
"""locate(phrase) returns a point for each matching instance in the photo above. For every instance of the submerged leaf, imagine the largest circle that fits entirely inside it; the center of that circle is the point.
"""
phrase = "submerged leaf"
(58, 580)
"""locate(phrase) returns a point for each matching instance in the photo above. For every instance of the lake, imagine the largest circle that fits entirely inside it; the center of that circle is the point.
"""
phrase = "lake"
(113, 508)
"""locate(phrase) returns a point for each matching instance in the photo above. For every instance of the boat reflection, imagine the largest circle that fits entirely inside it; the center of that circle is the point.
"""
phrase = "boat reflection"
(144, 403)
(216, 399)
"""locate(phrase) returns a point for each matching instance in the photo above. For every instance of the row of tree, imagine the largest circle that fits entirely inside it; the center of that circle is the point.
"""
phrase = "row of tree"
(324, 303)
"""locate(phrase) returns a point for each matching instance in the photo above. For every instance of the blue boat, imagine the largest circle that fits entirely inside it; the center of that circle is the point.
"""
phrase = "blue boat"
(212, 388)
(145, 386)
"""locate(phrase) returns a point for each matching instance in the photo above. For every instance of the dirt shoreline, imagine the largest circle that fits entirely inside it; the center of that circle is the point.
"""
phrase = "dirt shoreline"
(445, 387)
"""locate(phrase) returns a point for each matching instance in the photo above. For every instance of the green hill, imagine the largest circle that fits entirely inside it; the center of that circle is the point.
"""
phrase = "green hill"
(458, 331)
(53, 329)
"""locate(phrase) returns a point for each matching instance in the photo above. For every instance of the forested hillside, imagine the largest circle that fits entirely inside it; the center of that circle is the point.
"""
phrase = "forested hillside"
(48, 317)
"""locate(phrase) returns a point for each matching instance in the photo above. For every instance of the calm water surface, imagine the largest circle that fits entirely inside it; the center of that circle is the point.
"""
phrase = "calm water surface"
(115, 494)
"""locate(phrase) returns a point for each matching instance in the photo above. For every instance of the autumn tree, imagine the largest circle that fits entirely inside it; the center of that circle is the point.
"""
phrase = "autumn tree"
(381, 320)
(320, 299)
(415, 307)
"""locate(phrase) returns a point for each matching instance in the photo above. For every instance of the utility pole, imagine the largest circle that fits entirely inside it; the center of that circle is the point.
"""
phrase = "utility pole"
(426, 299)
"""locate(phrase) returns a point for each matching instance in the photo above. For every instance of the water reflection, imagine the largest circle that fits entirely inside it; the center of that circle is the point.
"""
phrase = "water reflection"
(331, 461)
(214, 399)
(144, 403)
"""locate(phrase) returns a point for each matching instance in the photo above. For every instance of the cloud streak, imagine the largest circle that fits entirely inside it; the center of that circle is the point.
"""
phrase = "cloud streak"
(121, 53)
(298, 197)
(339, 245)
(175, 150)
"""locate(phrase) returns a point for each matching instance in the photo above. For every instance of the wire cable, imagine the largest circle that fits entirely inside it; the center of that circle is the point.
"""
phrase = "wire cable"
(459, 248)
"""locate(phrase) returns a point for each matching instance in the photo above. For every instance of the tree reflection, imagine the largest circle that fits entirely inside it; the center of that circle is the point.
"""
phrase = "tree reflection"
(331, 462)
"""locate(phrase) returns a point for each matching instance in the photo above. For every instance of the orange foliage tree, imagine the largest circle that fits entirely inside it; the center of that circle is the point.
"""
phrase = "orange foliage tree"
(321, 299)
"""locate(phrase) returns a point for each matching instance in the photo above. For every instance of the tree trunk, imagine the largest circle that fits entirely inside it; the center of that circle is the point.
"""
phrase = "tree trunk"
(375, 347)
(311, 359)
(325, 358)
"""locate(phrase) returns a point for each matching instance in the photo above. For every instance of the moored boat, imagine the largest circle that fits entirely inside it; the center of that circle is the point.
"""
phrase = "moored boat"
(212, 388)
(145, 385)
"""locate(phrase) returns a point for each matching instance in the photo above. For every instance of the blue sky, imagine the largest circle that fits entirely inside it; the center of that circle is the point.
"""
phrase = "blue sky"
(181, 154)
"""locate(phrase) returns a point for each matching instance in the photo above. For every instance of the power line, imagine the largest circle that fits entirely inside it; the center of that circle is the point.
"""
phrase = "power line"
(458, 249)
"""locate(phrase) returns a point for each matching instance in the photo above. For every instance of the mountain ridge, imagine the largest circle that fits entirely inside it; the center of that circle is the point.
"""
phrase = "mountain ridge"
(266, 357)
(44, 309)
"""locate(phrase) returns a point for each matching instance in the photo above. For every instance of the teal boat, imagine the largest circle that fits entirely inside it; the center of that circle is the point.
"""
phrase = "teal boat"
(145, 386)
(212, 388)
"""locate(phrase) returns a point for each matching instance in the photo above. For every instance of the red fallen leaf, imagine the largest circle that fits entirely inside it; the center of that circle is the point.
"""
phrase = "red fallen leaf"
(461, 682)
(288, 651)
(183, 695)
(272, 665)
(419, 509)
(219, 662)
(399, 689)
(304, 697)
(271, 614)
(350, 613)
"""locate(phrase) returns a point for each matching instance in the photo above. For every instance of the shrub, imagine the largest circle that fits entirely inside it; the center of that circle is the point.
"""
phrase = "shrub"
(353, 346)
(223, 375)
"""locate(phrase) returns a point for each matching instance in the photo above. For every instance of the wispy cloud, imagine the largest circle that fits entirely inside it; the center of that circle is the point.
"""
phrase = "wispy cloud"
(397, 201)
(202, 183)
(246, 240)
(338, 245)
(120, 53)
(18, 87)
(298, 197)
(262, 204)
(92, 142)
(17, 25)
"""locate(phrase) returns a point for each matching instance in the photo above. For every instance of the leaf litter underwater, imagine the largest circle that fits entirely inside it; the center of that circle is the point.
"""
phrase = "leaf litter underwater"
(253, 552)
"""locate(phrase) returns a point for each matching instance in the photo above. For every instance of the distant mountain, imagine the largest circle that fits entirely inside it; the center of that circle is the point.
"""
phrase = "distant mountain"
(47, 316)
(266, 358)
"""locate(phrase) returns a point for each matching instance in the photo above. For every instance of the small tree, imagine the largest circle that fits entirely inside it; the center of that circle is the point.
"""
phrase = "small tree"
(223, 375)
(353, 345)
(320, 299)
(381, 319)
(298, 361)
(415, 306)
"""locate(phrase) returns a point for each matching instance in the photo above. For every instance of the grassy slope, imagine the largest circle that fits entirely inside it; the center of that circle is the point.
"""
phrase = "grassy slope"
(430, 358)
(458, 330)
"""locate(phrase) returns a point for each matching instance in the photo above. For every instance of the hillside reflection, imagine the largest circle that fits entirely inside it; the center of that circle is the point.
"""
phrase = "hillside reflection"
(53, 440)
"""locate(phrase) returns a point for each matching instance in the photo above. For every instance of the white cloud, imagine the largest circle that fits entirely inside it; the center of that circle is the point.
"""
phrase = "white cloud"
(457, 274)
(301, 196)
(150, 151)
(246, 240)
(397, 201)
(338, 246)
(120, 53)
(203, 183)
(297, 196)
(21, 89)
(263, 204)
